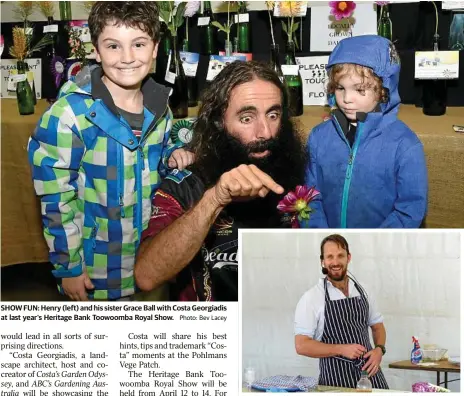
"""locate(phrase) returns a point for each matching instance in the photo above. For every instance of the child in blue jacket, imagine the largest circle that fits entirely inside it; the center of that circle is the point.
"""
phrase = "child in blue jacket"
(368, 166)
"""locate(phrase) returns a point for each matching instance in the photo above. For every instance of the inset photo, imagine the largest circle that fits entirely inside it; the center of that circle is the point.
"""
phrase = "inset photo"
(350, 311)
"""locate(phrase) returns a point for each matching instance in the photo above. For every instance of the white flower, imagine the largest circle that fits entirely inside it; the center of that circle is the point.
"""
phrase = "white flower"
(191, 8)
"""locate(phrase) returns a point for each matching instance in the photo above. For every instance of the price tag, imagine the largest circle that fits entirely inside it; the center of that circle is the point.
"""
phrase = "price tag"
(50, 29)
(170, 77)
(190, 63)
(11, 84)
(203, 21)
(242, 18)
(290, 70)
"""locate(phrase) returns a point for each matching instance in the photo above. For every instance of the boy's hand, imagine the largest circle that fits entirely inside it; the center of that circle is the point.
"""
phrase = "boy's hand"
(76, 288)
(180, 159)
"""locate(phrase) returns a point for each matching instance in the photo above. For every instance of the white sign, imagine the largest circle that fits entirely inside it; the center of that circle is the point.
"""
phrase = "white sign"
(452, 5)
(203, 21)
(290, 70)
(8, 70)
(314, 76)
(326, 31)
(50, 29)
(242, 18)
(439, 65)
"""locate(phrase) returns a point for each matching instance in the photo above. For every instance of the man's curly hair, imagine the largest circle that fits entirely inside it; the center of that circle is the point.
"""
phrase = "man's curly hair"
(143, 15)
(208, 131)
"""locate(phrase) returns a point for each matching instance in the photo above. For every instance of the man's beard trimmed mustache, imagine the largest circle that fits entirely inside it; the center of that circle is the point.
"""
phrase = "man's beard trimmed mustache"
(338, 278)
(239, 153)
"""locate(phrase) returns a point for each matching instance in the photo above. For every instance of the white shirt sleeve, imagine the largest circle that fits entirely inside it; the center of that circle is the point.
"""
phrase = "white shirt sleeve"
(305, 316)
(374, 315)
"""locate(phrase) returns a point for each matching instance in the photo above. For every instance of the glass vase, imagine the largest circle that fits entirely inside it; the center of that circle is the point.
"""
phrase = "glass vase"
(176, 79)
(456, 36)
(208, 33)
(385, 28)
(192, 85)
(65, 11)
(275, 61)
(294, 82)
(24, 94)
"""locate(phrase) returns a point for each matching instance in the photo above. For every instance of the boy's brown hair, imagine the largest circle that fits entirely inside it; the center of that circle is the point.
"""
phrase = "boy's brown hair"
(369, 79)
(143, 15)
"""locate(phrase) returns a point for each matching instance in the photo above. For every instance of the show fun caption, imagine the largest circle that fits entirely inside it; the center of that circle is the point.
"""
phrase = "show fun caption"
(106, 349)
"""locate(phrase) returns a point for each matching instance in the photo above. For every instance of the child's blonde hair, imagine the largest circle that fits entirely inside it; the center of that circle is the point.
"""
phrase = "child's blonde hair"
(373, 82)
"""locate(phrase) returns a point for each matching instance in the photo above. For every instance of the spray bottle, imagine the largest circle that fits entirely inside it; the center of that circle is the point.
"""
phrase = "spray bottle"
(416, 353)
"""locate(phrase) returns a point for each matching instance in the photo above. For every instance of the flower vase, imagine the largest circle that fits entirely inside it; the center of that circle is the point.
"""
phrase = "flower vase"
(176, 79)
(275, 61)
(434, 92)
(456, 36)
(192, 85)
(385, 28)
(24, 94)
(228, 48)
(208, 32)
(293, 81)
(244, 37)
(65, 11)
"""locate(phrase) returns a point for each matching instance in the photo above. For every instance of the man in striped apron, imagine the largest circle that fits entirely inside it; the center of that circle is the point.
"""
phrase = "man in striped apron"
(332, 323)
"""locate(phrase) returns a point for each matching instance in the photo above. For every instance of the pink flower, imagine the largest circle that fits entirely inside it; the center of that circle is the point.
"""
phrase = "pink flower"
(382, 3)
(297, 202)
(342, 9)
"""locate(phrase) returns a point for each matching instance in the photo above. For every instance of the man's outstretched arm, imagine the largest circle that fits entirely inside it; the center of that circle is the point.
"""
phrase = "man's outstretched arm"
(162, 257)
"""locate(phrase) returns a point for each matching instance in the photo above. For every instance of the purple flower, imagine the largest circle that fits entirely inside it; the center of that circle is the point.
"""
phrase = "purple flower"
(381, 3)
(297, 202)
(342, 9)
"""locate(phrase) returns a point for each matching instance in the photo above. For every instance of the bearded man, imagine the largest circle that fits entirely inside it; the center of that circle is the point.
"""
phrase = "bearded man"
(332, 322)
(248, 154)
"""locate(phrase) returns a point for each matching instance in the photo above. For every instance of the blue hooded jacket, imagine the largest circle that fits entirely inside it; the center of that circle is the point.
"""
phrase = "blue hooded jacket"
(381, 181)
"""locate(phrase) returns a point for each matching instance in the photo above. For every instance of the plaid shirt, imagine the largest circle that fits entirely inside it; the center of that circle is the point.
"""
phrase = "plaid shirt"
(96, 180)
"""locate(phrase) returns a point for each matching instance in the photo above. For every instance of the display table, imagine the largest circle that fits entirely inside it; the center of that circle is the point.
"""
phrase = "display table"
(441, 367)
(22, 238)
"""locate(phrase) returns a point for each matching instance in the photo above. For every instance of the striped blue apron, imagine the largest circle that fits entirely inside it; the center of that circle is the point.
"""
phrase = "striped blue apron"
(346, 322)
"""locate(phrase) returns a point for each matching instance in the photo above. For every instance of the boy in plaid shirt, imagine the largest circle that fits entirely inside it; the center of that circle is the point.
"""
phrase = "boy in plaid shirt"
(98, 154)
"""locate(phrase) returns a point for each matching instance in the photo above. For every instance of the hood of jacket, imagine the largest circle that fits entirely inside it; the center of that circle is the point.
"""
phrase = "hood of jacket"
(380, 55)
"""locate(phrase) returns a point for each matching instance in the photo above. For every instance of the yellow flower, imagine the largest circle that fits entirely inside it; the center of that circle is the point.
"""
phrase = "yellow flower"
(289, 8)
(24, 9)
(270, 5)
(19, 48)
(47, 8)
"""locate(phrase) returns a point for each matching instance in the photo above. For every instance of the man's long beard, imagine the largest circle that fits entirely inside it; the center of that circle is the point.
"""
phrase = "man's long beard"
(285, 164)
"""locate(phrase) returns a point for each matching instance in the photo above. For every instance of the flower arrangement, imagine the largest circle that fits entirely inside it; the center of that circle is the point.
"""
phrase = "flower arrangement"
(172, 14)
(24, 9)
(342, 9)
(47, 8)
(290, 9)
(226, 27)
(22, 47)
(297, 203)
(77, 47)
